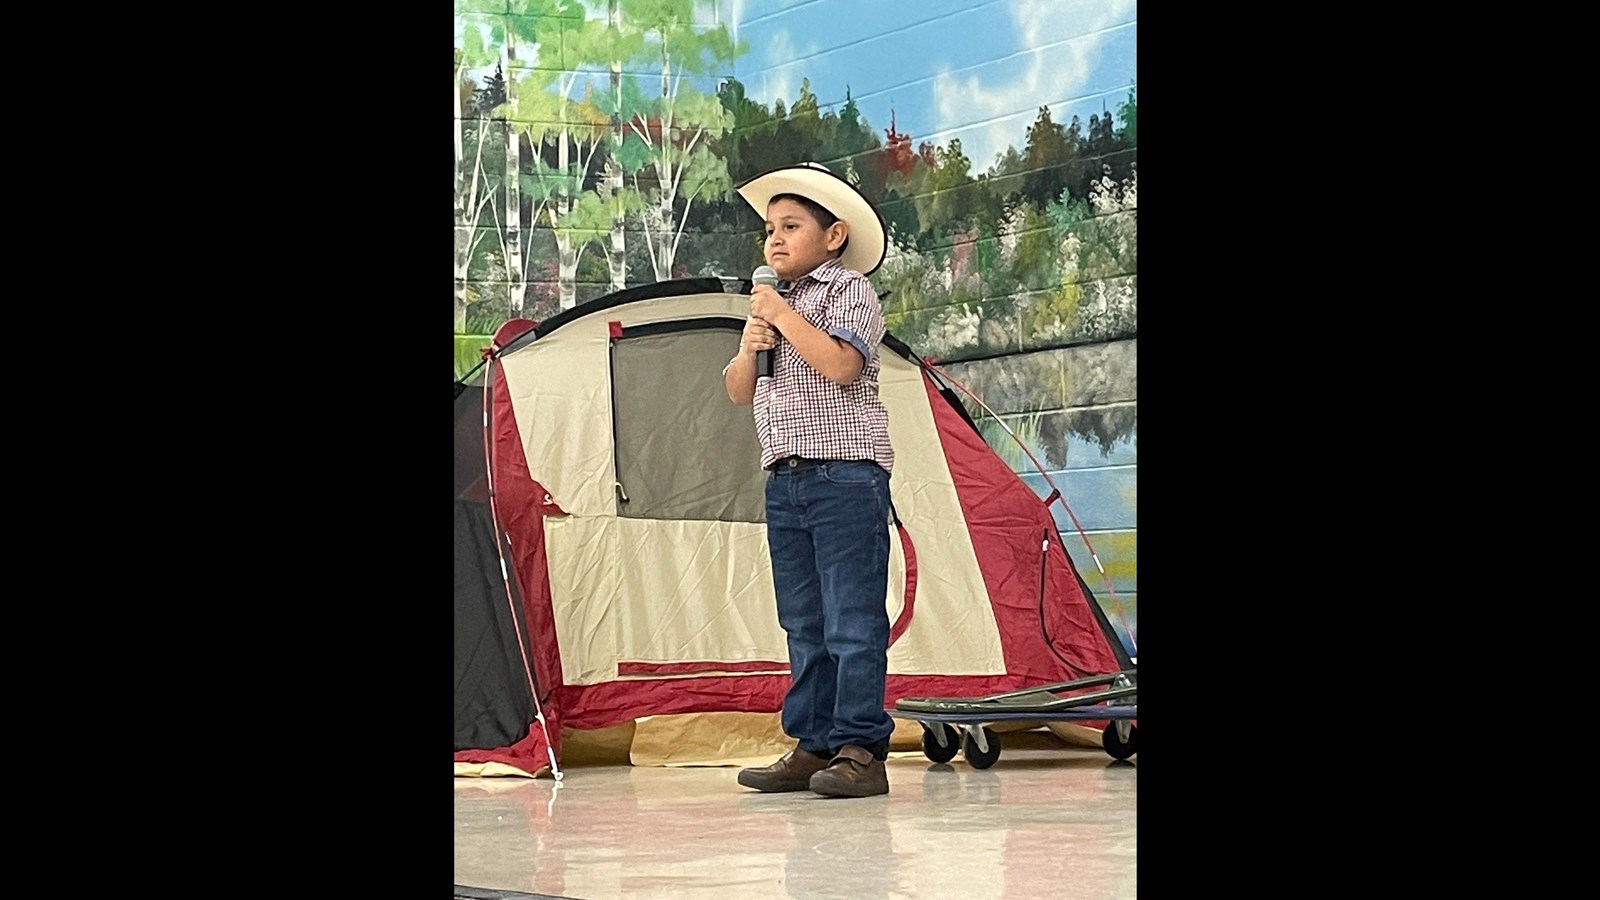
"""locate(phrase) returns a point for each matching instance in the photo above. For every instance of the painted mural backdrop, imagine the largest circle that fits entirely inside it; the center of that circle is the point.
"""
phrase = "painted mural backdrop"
(597, 143)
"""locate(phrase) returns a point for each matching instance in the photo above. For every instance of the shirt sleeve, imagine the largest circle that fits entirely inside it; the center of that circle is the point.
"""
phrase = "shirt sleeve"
(855, 315)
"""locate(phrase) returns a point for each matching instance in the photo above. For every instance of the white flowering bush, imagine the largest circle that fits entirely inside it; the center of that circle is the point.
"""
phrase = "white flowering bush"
(952, 328)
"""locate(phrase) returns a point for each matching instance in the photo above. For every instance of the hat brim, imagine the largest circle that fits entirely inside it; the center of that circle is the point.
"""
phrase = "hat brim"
(868, 244)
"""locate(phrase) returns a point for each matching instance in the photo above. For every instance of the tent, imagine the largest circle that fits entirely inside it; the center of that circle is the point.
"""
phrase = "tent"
(611, 558)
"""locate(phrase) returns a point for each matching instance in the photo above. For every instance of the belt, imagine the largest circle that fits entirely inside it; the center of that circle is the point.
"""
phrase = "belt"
(791, 463)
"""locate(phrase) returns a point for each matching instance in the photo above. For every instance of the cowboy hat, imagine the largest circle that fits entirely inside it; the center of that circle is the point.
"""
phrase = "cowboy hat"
(867, 246)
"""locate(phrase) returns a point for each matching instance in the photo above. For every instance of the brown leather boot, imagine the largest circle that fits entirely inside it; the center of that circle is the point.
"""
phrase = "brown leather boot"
(790, 773)
(855, 772)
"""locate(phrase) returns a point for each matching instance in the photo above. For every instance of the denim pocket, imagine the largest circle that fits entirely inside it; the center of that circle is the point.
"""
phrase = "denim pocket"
(858, 473)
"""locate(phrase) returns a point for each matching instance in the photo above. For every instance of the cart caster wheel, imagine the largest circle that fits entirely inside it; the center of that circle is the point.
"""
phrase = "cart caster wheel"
(977, 758)
(934, 750)
(1113, 741)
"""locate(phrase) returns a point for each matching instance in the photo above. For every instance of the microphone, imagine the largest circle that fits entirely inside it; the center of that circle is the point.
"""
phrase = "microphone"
(769, 276)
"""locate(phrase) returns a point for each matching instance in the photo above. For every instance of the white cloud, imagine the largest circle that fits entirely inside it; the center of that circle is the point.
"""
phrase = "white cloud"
(736, 10)
(781, 79)
(1057, 69)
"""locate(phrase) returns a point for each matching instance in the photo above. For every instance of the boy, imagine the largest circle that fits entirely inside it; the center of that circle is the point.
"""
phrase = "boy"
(825, 439)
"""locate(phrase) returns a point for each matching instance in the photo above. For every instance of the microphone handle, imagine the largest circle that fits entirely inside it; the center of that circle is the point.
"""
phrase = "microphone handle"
(764, 357)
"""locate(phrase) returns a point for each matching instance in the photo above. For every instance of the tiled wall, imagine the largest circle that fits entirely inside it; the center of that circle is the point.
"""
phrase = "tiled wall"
(998, 137)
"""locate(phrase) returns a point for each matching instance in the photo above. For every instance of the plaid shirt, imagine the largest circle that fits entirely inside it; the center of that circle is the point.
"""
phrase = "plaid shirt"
(799, 412)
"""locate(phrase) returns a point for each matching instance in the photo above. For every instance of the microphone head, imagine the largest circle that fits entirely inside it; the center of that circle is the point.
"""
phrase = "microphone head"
(764, 275)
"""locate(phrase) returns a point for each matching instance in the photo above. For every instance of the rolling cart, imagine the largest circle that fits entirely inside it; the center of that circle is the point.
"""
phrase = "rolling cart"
(952, 722)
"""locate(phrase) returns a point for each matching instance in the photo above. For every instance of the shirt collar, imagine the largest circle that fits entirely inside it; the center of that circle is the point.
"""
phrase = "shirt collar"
(824, 273)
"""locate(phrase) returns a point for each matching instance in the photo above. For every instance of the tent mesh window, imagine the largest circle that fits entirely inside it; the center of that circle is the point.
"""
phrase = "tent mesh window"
(683, 449)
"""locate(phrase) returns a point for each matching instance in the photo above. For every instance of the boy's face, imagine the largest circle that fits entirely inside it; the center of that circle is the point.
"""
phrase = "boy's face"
(796, 242)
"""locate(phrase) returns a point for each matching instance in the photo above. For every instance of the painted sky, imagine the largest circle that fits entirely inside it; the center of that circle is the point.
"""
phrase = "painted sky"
(974, 69)
(946, 68)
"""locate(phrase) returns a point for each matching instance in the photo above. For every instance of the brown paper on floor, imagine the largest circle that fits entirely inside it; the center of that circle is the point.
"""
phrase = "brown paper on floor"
(1076, 735)
(730, 739)
(597, 746)
(709, 739)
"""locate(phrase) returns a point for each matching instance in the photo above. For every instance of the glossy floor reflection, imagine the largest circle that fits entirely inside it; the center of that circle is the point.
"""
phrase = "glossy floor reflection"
(1057, 823)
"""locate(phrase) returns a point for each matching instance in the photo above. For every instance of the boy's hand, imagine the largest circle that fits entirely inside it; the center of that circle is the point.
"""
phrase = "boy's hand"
(758, 335)
(766, 304)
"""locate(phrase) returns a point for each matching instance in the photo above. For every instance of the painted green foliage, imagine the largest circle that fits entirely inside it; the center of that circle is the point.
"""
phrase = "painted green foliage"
(1036, 250)
(552, 134)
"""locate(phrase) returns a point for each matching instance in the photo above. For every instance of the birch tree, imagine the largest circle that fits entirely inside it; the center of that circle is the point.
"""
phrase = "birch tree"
(530, 111)
(669, 129)
(613, 190)
(511, 220)
(575, 135)
(566, 136)
(472, 189)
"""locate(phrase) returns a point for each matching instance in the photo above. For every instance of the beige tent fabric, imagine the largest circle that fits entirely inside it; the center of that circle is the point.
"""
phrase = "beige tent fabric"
(704, 602)
(696, 590)
(702, 590)
(492, 775)
(953, 629)
(495, 770)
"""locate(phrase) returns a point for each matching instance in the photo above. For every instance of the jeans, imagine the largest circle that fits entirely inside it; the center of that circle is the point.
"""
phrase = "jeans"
(828, 534)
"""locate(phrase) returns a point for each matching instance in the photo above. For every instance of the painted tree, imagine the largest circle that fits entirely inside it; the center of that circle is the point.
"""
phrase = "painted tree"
(1077, 169)
(939, 184)
(505, 33)
(852, 136)
(1047, 152)
(1101, 138)
(1128, 112)
(801, 133)
(852, 140)
(473, 189)
(623, 44)
(667, 147)
(491, 95)
(898, 157)
(566, 134)
(909, 186)
(511, 220)
(757, 141)
(947, 207)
